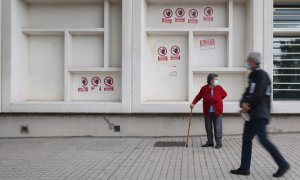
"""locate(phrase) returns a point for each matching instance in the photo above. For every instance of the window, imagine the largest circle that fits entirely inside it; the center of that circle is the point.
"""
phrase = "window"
(286, 67)
(286, 55)
(287, 16)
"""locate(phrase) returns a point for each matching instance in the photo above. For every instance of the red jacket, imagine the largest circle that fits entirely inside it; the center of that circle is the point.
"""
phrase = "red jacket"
(216, 100)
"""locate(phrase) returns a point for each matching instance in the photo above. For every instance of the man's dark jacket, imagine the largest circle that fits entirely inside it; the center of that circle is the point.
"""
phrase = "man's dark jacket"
(258, 95)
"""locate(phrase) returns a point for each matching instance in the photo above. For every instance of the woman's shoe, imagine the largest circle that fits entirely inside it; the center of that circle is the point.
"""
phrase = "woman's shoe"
(218, 146)
(208, 145)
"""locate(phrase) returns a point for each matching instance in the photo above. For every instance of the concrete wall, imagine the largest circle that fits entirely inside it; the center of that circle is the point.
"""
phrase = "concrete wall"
(259, 37)
(130, 125)
(142, 84)
(0, 53)
(49, 47)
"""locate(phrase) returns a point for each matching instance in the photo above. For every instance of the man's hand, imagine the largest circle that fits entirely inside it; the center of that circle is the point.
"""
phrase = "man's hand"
(192, 106)
(245, 107)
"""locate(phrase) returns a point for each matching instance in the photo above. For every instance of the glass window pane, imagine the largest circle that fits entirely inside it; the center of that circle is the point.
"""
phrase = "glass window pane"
(286, 71)
(286, 11)
(286, 64)
(286, 86)
(286, 54)
(286, 25)
(286, 17)
(286, 79)
(287, 40)
(286, 95)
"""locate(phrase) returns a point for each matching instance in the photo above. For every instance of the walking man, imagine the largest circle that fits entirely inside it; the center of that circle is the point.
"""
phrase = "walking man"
(213, 95)
(256, 102)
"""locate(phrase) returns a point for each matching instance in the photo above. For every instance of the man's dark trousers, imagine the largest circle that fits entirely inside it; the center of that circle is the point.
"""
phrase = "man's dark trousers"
(258, 127)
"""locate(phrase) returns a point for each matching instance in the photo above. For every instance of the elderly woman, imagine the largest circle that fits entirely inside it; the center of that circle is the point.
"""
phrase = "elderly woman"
(212, 95)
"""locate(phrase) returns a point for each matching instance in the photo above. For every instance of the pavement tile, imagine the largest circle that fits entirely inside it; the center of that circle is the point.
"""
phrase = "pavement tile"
(136, 158)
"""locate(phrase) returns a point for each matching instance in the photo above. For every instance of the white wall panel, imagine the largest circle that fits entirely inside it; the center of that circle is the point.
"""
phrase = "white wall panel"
(207, 49)
(214, 56)
(1, 26)
(239, 34)
(155, 15)
(166, 80)
(46, 68)
(65, 15)
(87, 50)
(51, 45)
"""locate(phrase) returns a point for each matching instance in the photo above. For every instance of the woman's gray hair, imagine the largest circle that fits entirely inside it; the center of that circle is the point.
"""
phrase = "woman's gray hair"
(254, 57)
(210, 77)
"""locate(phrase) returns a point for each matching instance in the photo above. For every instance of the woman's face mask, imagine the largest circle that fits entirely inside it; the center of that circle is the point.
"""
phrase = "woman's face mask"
(216, 82)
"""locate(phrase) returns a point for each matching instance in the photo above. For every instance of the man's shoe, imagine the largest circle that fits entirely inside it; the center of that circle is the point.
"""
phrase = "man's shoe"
(281, 171)
(239, 171)
(218, 146)
(208, 145)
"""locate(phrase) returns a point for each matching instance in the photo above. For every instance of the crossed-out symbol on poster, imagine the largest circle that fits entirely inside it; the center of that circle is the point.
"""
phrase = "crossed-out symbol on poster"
(208, 12)
(180, 15)
(108, 81)
(84, 83)
(162, 53)
(168, 13)
(193, 15)
(175, 50)
(95, 82)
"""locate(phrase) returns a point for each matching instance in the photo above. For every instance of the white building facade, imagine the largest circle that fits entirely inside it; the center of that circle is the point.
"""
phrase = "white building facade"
(135, 58)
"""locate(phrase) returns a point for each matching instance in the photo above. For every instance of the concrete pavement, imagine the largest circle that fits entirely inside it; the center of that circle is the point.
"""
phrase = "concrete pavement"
(90, 158)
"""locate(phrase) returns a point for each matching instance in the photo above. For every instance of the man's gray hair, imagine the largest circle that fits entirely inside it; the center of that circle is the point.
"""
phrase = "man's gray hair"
(255, 57)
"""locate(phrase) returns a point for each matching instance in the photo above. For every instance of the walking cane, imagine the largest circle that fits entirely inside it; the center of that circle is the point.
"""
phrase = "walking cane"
(187, 137)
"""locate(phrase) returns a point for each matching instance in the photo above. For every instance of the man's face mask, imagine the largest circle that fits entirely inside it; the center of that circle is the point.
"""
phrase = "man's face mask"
(247, 66)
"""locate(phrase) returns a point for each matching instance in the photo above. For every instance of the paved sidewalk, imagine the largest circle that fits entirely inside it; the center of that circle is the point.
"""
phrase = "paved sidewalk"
(136, 158)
